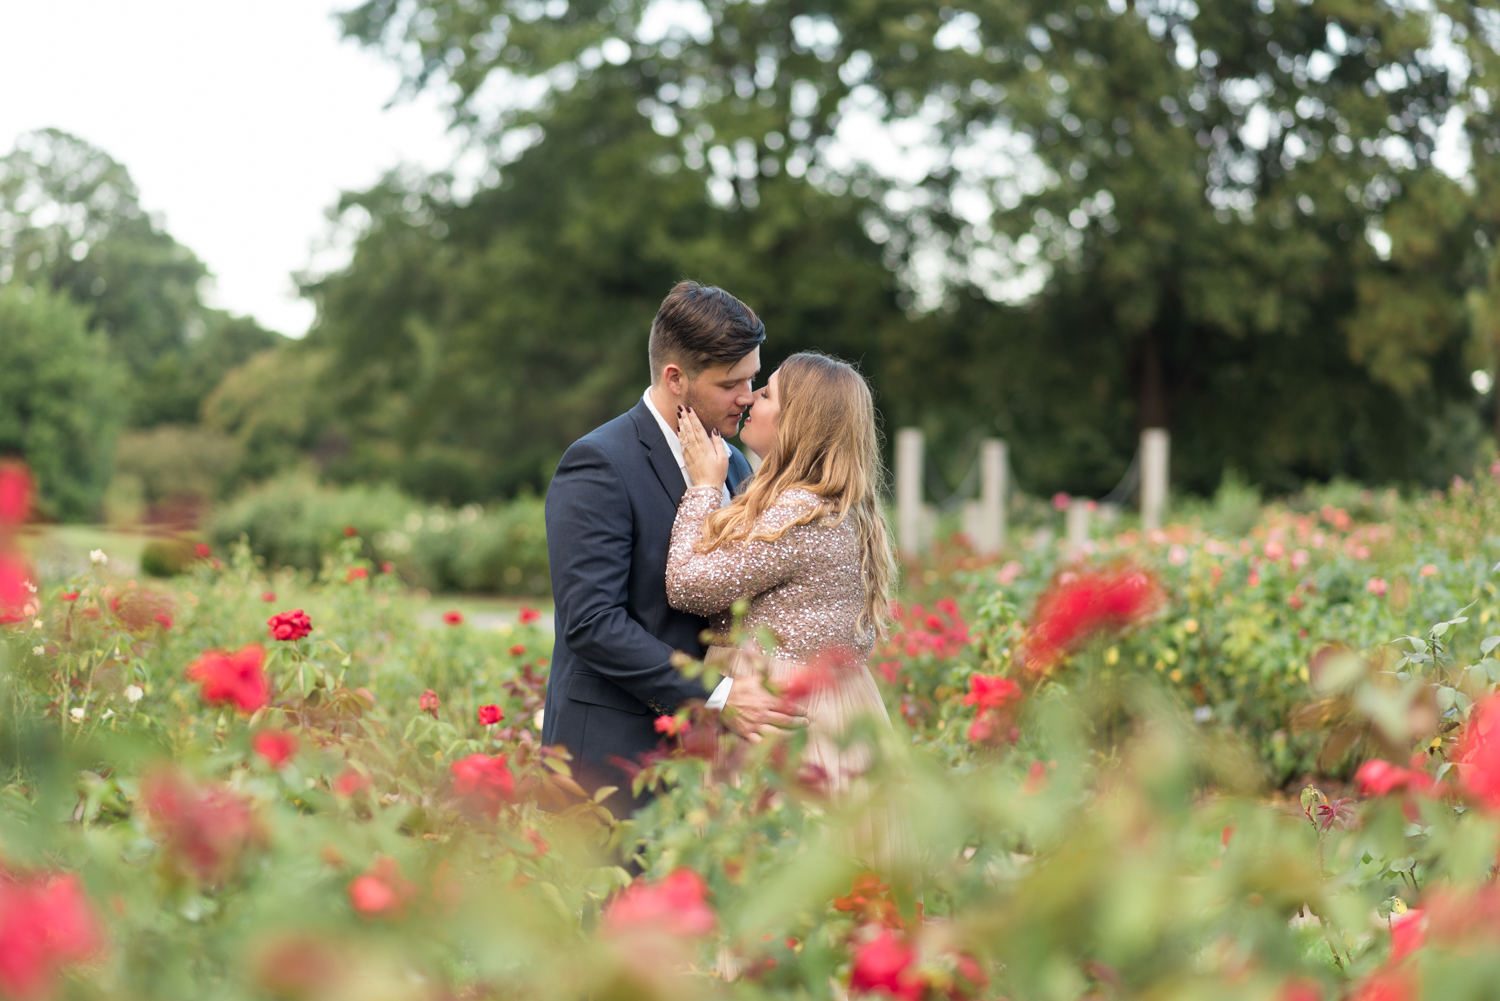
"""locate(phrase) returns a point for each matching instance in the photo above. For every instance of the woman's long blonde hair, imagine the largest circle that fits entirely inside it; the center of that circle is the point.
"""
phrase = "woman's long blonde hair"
(826, 442)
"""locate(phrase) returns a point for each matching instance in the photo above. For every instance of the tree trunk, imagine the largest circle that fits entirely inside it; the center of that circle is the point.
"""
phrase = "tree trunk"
(1151, 405)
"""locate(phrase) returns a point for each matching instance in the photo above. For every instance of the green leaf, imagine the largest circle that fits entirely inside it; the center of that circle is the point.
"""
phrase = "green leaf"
(1402, 864)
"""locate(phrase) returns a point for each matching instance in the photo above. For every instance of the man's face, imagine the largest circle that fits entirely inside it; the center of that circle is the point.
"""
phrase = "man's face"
(719, 395)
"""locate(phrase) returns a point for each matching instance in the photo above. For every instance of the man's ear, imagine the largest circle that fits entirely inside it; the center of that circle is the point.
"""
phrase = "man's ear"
(673, 378)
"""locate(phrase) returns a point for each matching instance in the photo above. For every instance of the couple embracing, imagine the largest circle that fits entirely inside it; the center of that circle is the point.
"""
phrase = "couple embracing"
(656, 527)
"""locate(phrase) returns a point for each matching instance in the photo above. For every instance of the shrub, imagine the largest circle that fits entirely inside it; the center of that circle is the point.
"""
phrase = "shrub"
(167, 557)
(292, 521)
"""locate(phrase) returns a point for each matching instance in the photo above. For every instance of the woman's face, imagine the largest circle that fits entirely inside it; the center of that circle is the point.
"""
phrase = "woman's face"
(759, 430)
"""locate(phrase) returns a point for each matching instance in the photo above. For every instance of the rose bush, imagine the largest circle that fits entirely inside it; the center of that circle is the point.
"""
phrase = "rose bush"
(368, 812)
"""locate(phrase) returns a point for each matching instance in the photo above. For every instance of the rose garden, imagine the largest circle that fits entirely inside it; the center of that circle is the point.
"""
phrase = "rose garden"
(1184, 765)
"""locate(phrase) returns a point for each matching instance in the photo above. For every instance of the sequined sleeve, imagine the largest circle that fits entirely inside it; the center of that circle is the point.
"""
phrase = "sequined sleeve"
(706, 583)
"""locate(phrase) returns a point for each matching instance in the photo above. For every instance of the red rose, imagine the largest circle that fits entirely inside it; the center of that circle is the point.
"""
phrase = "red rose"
(490, 715)
(202, 550)
(518, 650)
(276, 746)
(69, 596)
(351, 781)
(428, 703)
(671, 726)
(204, 828)
(676, 905)
(45, 923)
(387, 567)
(453, 618)
(380, 891)
(991, 693)
(350, 531)
(884, 963)
(1079, 604)
(287, 626)
(268, 596)
(483, 782)
(1381, 778)
(354, 574)
(529, 615)
(233, 677)
(15, 592)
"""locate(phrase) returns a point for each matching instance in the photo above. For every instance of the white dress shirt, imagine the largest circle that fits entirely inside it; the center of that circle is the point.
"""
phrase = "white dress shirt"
(721, 693)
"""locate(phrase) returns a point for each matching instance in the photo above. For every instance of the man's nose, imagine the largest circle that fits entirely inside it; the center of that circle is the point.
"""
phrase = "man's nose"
(745, 395)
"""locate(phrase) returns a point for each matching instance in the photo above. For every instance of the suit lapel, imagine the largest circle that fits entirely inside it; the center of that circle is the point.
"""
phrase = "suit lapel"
(739, 469)
(662, 460)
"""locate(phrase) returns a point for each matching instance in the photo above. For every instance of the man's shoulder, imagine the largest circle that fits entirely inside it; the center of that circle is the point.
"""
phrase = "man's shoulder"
(612, 433)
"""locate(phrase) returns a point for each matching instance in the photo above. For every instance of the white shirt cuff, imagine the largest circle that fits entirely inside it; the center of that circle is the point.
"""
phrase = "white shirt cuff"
(720, 695)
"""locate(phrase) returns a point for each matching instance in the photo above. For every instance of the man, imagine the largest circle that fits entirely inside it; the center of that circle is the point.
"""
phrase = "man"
(610, 509)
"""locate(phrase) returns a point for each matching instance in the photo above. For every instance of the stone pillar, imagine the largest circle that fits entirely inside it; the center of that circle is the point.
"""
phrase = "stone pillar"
(1155, 450)
(909, 515)
(1078, 523)
(989, 537)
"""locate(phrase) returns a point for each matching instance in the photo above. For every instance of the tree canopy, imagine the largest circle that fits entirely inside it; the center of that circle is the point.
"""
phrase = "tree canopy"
(71, 220)
(1227, 216)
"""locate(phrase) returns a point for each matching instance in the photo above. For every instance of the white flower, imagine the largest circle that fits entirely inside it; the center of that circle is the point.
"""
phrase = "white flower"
(133, 693)
(76, 713)
(31, 587)
(97, 555)
(36, 623)
(38, 650)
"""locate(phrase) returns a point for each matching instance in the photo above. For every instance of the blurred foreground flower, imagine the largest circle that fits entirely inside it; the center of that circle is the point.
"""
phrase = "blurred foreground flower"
(671, 726)
(15, 494)
(15, 595)
(236, 678)
(454, 618)
(677, 905)
(1079, 604)
(380, 891)
(996, 699)
(428, 703)
(350, 782)
(1381, 778)
(204, 828)
(288, 626)
(1479, 754)
(45, 923)
(483, 782)
(529, 615)
(276, 746)
(885, 964)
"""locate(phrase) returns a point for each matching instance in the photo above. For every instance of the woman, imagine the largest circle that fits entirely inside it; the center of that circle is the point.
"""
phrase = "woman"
(805, 542)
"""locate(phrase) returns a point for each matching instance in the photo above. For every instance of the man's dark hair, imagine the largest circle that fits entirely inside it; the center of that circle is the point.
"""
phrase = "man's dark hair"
(700, 325)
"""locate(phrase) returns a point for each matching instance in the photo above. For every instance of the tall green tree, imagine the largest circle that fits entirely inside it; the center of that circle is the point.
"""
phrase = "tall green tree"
(474, 340)
(60, 400)
(71, 219)
(1228, 210)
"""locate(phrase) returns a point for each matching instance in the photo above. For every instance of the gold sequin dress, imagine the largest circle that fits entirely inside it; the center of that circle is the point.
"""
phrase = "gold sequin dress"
(805, 588)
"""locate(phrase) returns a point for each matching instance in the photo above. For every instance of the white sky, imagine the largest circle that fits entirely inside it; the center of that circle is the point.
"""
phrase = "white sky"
(239, 122)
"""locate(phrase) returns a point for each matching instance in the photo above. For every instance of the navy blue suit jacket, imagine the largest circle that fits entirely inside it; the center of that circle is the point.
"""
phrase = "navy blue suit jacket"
(610, 509)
